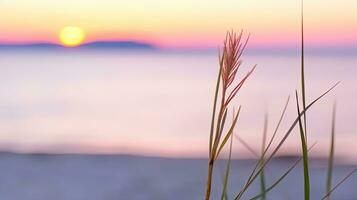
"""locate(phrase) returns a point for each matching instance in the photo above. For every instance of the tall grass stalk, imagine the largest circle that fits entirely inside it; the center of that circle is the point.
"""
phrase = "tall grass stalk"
(228, 168)
(281, 178)
(303, 66)
(262, 160)
(257, 170)
(225, 91)
(229, 62)
(329, 190)
(303, 129)
(256, 155)
(331, 153)
(304, 153)
(270, 142)
(339, 183)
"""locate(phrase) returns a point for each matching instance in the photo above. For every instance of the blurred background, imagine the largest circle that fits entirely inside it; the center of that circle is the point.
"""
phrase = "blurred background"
(112, 99)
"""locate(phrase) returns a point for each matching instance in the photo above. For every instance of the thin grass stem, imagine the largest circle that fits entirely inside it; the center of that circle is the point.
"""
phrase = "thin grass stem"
(339, 183)
(331, 153)
(304, 153)
(228, 167)
(262, 160)
(250, 180)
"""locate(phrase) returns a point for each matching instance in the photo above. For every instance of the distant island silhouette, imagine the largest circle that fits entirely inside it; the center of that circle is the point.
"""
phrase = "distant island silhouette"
(91, 45)
(132, 45)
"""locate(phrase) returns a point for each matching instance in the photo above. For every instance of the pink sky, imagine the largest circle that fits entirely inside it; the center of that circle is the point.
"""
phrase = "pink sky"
(195, 24)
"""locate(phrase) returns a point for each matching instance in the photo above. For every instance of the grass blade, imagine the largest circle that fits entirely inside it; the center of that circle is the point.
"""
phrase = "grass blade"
(303, 66)
(230, 132)
(278, 125)
(225, 181)
(262, 176)
(339, 183)
(250, 180)
(304, 154)
(214, 110)
(271, 140)
(210, 160)
(229, 62)
(223, 121)
(281, 178)
(276, 182)
(331, 154)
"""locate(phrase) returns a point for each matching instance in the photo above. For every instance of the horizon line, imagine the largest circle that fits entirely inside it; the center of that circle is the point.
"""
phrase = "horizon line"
(136, 44)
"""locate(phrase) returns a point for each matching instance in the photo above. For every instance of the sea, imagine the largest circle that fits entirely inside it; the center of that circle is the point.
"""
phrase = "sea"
(107, 124)
(123, 177)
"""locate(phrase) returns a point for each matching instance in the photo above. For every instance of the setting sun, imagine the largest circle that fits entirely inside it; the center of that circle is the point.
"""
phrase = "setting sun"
(71, 36)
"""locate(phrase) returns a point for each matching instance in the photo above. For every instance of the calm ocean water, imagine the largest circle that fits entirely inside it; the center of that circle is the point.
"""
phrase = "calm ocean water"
(127, 101)
(85, 177)
(156, 104)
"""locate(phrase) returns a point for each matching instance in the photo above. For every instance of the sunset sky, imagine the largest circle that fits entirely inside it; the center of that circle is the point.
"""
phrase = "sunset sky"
(194, 23)
(93, 101)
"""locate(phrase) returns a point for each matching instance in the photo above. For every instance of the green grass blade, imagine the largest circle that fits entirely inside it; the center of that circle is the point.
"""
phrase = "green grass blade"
(331, 154)
(282, 141)
(304, 153)
(339, 183)
(280, 179)
(230, 132)
(270, 142)
(278, 125)
(225, 181)
(303, 66)
(262, 160)
(277, 181)
(214, 111)
(223, 121)
(217, 136)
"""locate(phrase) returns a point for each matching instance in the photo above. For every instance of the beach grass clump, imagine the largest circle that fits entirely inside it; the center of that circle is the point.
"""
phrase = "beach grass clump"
(226, 89)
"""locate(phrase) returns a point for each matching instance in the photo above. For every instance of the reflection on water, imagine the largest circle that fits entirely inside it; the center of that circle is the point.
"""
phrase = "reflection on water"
(126, 102)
